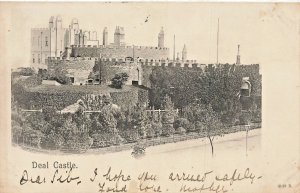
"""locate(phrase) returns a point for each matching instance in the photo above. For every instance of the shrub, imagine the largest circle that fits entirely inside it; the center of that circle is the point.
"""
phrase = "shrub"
(52, 141)
(79, 142)
(106, 140)
(191, 127)
(59, 74)
(16, 132)
(32, 137)
(181, 122)
(157, 127)
(26, 71)
(199, 126)
(150, 132)
(118, 80)
(245, 118)
(256, 116)
(168, 130)
(180, 130)
(130, 135)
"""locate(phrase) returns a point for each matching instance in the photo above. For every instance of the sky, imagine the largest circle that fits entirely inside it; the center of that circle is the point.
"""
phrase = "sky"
(265, 32)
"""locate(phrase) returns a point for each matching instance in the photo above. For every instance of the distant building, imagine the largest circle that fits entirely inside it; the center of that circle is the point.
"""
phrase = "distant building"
(161, 38)
(105, 37)
(52, 41)
(55, 41)
(119, 36)
(47, 42)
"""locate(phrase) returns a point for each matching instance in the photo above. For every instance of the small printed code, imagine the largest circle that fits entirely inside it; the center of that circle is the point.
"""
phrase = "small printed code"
(284, 185)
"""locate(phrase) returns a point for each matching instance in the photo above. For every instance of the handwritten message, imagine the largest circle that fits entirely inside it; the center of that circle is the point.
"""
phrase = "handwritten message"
(113, 180)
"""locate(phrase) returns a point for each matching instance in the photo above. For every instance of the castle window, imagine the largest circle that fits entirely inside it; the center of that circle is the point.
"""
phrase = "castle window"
(33, 59)
(72, 79)
(46, 41)
(39, 59)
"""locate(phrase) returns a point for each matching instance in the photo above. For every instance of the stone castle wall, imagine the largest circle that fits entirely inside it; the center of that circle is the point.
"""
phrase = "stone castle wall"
(79, 69)
(138, 71)
(108, 70)
(120, 52)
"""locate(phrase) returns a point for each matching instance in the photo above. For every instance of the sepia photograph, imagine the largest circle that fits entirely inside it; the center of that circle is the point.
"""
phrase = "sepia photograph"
(150, 97)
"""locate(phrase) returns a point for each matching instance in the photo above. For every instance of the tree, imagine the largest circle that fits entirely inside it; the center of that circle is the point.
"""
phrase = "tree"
(139, 119)
(168, 117)
(42, 73)
(212, 125)
(118, 80)
(60, 75)
(26, 71)
(203, 116)
(108, 121)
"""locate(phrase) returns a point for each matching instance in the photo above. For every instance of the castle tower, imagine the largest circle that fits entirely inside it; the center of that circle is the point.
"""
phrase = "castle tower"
(238, 57)
(59, 43)
(94, 35)
(58, 22)
(184, 53)
(119, 36)
(73, 32)
(105, 37)
(161, 37)
(75, 24)
(52, 22)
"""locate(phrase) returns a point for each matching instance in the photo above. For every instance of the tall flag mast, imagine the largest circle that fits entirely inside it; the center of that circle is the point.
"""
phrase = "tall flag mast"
(174, 49)
(238, 57)
(218, 43)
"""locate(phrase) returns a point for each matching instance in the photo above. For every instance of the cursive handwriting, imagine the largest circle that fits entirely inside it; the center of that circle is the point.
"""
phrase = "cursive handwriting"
(25, 179)
(144, 179)
(237, 176)
(110, 177)
(116, 188)
(62, 178)
(211, 188)
(188, 177)
(185, 182)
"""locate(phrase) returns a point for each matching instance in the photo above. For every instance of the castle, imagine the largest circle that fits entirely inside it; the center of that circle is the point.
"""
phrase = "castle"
(78, 51)
(57, 41)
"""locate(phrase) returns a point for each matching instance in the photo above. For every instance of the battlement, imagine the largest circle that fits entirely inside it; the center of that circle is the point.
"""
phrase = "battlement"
(72, 59)
(45, 28)
(113, 51)
(121, 47)
(39, 29)
(155, 62)
(144, 62)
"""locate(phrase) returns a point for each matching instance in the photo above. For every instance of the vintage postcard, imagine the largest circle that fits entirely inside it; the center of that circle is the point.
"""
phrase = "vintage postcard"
(150, 97)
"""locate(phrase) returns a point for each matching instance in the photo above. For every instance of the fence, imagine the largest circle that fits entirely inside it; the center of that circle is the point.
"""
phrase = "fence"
(156, 114)
(147, 142)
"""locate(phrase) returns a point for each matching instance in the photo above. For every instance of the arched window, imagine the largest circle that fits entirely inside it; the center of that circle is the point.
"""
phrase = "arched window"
(246, 89)
(39, 59)
(33, 59)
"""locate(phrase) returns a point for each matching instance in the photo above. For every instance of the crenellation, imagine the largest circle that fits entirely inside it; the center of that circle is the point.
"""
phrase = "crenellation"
(39, 29)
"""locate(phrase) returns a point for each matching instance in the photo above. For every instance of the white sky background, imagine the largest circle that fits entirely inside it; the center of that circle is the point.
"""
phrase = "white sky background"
(262, 30)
